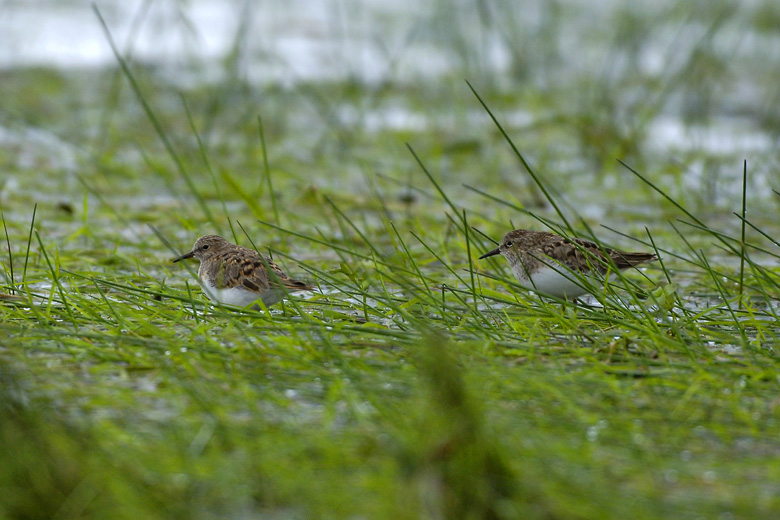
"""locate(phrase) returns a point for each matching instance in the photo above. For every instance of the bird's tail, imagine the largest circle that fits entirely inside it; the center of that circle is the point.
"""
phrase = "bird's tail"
(625, 260)
(297, 285)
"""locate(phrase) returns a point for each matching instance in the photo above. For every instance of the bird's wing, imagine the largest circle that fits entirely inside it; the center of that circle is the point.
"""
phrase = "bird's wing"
(248, 272)
(288, 282)
(252, 273)
(585, 255)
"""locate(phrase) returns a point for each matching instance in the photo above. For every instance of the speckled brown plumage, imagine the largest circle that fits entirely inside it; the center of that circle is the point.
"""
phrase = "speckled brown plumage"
(237, 275)
(536, 258)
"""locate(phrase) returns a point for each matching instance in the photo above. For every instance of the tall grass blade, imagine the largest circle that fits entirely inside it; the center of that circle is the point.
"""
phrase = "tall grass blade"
(12, 285)
(267, 170)
(525, 164)
(153, 118)
(29, 242)
(742, 242)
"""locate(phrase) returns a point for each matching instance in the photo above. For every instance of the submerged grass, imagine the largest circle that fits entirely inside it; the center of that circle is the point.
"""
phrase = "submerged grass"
(416, 381)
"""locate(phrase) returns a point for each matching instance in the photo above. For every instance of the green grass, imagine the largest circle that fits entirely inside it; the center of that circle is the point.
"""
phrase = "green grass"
(418, 381)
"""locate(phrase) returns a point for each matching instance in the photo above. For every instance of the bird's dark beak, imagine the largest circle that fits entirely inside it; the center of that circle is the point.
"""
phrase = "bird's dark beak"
(496, 251)
(184, 257)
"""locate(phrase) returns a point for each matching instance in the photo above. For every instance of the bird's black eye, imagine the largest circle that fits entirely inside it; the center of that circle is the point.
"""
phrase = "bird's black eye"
(508, 244)
(205, 246)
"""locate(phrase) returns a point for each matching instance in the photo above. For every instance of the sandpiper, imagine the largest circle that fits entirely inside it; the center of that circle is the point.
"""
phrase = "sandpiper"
(236, 275)
(555, 266)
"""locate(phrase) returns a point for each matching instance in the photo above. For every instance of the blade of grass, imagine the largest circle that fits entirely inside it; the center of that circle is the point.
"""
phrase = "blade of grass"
(428, 174)
(468, 255)
(520, 156)
(204, 155)
(722, 292)
(29, 241)
(57, 283)
(153, 118)
(10, 256)
(267, 169)
(742, 248)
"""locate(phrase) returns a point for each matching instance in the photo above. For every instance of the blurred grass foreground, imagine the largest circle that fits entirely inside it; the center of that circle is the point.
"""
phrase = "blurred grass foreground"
(417, 381)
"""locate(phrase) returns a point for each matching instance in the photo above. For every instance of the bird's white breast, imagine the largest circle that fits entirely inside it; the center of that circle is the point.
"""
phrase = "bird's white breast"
(237, 296)
(555, 280)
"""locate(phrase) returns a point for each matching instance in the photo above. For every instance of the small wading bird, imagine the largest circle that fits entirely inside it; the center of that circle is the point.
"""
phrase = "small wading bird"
(553, 265)
(236, 275)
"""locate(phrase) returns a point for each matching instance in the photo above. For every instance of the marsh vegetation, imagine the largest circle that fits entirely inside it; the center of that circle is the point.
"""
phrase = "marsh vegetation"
(417, 382)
